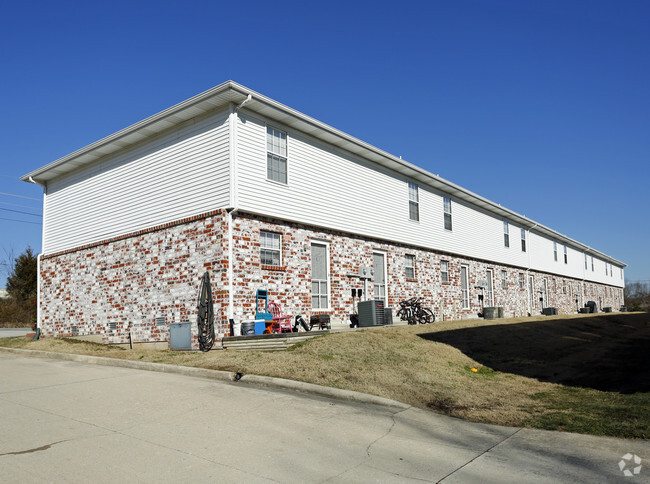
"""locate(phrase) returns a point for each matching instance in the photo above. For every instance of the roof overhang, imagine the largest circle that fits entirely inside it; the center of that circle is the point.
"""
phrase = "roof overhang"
(222, 95)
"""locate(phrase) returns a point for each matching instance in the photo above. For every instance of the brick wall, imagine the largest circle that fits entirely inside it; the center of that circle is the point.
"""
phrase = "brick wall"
(131, 280)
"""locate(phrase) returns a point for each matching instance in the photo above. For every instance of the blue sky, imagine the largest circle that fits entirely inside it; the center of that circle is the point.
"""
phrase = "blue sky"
(543, 107)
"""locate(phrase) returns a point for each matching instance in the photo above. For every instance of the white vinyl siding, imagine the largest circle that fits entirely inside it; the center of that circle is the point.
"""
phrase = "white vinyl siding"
(173, 176)
(338, 190)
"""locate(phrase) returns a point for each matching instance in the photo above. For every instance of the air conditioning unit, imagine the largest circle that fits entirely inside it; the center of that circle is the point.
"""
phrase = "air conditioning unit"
(373, 313)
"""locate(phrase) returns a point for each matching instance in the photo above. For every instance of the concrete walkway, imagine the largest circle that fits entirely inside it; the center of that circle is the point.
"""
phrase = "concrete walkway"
(65, 421)
(11, 332)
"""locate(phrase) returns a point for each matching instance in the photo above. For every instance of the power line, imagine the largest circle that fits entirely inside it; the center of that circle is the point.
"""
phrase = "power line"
(20, 211)
(20, 196)
(18, 205)
(23, 221)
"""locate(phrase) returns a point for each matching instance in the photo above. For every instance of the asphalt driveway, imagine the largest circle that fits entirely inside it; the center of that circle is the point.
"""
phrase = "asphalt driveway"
(72, 422)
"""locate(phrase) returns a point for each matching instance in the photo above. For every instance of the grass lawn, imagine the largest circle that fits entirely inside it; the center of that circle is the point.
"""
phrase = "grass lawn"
(586, 373)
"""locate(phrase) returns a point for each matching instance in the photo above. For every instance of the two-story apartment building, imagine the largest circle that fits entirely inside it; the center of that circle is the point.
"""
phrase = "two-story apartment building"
(265, 197)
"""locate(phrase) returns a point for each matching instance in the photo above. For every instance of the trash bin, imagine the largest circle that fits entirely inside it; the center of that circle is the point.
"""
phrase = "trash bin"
(500, 312)
(490, 313)
(248, 328)
(623, 309)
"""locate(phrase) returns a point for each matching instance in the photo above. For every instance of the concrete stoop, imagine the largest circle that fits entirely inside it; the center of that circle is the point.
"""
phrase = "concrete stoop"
(268, 342)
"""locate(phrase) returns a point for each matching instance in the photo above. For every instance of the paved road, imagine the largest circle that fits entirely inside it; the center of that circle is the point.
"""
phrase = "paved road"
(10, 332)
(71, 422)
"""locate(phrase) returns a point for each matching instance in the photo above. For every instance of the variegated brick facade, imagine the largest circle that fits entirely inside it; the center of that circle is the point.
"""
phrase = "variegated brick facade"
(131, 280)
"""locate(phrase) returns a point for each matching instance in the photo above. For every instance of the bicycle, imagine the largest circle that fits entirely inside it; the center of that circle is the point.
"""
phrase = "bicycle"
(411, 310)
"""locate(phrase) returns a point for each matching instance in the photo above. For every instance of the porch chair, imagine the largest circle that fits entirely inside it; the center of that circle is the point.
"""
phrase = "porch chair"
(280, 321)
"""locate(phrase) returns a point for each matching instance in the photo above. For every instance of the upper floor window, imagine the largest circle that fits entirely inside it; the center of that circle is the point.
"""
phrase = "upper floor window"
(523, 240)
(270, 253)
(444, 271)
(555, 251)
(585, 261)
(605, 268)
(276, 156)
(506, 234)
(621, 269)
(447, 205)
(414, 202)
(410, 266)
(592, 263)
(566, 260)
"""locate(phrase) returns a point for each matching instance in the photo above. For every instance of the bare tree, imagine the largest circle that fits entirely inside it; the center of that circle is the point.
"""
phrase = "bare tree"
(637, 296)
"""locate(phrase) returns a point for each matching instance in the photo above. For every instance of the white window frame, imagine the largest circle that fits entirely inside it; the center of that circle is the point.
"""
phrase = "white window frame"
(409, 263)
(414, 202)
(585, 261)
(592, 263)
(273, 151)
(446, 204)
(385, 257)
(566, 255)
(271, 249)
(504, 279)
(555, 251)
(444, 271)
(506, 234)
(326, 281)
(523, 240)
(489, 290)
(522, 281)
(464, 291)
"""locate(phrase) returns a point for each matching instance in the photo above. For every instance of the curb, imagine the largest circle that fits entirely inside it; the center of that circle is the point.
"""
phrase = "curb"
(227, 376)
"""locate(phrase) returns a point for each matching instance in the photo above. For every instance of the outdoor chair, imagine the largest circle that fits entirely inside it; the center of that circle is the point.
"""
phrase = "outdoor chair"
(280, 321)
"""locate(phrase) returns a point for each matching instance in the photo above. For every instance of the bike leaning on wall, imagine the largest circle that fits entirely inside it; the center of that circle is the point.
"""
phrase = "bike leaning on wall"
(411, 310)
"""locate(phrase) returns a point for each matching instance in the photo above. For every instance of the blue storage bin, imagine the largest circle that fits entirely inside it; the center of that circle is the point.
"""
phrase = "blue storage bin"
(260, 326)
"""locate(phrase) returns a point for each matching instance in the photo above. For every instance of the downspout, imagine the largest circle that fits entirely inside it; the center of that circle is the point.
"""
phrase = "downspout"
(39, 256)
(233, 119)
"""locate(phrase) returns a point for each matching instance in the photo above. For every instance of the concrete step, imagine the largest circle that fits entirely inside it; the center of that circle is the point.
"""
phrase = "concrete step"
(268, 342)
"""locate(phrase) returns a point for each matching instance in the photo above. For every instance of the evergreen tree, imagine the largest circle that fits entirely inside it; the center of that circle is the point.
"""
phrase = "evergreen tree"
(21, 283)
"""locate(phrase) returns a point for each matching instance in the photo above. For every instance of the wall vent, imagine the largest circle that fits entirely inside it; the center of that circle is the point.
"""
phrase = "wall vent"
(112, 326)
(160, 321)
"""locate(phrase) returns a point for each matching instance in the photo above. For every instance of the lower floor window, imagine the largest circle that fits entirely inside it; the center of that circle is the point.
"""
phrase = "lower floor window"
(319, 282)
(464, 286)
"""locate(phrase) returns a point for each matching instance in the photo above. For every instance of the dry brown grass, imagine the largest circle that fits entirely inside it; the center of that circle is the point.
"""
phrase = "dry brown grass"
(402, 363)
